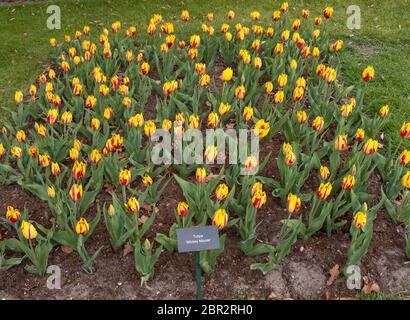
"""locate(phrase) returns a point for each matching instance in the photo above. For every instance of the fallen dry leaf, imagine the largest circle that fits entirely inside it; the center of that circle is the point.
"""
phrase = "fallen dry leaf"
(334, 273)
(371, 287)
(147, 207)
(66, 250)
(127, 249)
(142, 219)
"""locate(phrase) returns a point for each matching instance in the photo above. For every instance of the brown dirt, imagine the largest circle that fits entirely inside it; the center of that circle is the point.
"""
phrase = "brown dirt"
(303, 273)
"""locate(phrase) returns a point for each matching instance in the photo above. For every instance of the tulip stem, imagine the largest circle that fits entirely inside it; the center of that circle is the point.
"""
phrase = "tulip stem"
(198, 276)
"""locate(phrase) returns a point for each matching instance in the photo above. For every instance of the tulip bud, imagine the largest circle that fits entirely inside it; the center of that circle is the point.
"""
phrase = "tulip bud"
(182, 209)
(368, 73)
(28, 230)
(111, 210)
(360, 220)
(324, 172)
(51, 192)
(341, 142)
(200, 175)
(82, 227)
(293, 203)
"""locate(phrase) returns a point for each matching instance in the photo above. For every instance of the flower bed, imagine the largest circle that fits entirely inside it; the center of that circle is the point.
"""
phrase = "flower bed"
(81, 141)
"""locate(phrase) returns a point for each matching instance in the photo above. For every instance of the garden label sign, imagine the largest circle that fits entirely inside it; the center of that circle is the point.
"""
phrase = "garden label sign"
(198, 239)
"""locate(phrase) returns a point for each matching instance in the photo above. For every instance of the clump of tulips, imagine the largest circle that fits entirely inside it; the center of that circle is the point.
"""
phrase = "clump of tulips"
(81, 139)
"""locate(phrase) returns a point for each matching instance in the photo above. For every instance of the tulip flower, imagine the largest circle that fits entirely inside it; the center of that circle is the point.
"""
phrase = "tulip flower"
(221, 191)
(256, 44)
(147, 180)
(227, 74)
(301, 116)
(261, 128)
(290, 158)
(240, 92)
(318, 123)
(298, 93)
(257, 187)
(51, 192)
(95, 156)
(213, 120)
(359, 135)
(247, 113)
(276, 15)
(305, 13)
(16, 152)
(268, 87)
(74, 153)
(384, 111)
(200, 175)
(346, 110)
(405, 130)
(20, 136)
(279, 96)
(259, 199)
(231, 15)
(204, 80)
(132, 205)
(28, 230)
(200, 68)
(328, 12)
(284, 7)
(341, 142)
(32, 150)
(348, 182)
(82, 227)
(193, 121)
(257, 63)
(182, 209)
(150, 128)
(224, 108)
(368, 73)
(324, 190)
(278, 48)
(194, 41)
(405, 157)
(210, 16)
(55, 168)
(78, 170)
(66, 117)
(18, 97)
(124, 177)
(220, 218)
(293, 203)
(76, 192)
(192, 53)
(405, 181)
(360, 220)
(370, 146)
(324, 172)
(336, 46)
(108, 113)
(185, 15)
(12, 214)
(211, 152)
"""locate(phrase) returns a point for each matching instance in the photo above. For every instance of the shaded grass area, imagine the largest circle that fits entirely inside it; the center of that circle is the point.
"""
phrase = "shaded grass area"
(382, 41)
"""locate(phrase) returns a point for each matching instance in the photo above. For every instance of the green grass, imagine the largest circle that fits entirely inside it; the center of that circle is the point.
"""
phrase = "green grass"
(381, 296)
(383, 40)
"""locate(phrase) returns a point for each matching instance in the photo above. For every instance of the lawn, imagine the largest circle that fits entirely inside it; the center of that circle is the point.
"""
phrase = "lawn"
(383, 40)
